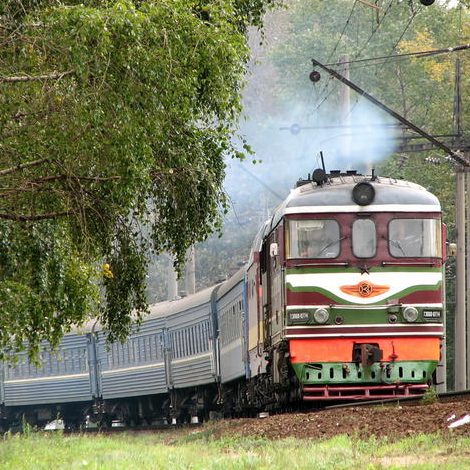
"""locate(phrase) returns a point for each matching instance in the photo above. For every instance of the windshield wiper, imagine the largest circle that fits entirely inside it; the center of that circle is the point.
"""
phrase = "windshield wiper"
(330, 244)
(395, 243)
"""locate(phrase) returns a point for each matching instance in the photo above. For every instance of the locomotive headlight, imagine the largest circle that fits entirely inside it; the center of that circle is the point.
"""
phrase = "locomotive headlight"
(363, 193)
(321, 315)
(410, 314)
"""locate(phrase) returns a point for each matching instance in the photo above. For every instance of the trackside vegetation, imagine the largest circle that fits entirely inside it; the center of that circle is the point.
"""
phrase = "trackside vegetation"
(115, 119)
(198, 450)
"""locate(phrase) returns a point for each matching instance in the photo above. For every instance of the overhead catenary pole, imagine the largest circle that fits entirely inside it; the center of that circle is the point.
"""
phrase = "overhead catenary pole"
(191, 272)
(460, 361)
(172, 279)
(465, 353)
(461, 285)
(454, 155)
(345, 107)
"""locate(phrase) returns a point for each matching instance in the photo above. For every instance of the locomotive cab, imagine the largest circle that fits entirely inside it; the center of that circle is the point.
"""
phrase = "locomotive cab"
(353, 296)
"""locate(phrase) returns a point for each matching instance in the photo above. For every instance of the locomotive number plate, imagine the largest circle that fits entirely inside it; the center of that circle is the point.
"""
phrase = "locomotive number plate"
(298, 317)
(431, 314)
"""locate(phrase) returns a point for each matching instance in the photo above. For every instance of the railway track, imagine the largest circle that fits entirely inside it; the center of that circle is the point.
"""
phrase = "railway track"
(118, 427)
(405, 401)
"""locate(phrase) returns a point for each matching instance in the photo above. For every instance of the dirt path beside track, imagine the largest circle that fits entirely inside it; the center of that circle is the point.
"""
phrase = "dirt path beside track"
(393, 421)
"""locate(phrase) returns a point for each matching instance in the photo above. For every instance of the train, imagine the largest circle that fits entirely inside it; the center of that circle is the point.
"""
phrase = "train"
(341, 300)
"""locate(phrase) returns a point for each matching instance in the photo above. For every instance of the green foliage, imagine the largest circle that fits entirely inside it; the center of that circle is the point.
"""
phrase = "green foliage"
(430, 396)
(115, 119)
(46, 285)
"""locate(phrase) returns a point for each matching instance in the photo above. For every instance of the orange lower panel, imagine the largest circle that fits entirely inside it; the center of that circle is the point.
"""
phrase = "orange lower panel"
(340, 350)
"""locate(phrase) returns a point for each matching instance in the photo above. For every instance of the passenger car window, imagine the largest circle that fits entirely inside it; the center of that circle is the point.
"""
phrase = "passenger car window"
(364, 238)
(319, 238)
(415, 238)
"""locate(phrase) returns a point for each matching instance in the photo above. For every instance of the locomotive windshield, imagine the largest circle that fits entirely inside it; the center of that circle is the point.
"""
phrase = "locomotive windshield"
(414, 238)
(364, 238)
(319, 238)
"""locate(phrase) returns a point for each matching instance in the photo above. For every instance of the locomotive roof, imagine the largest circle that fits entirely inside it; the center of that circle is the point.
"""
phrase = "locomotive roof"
(391, 195)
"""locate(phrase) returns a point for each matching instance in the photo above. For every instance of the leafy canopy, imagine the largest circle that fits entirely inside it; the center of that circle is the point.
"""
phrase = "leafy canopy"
(115, 118)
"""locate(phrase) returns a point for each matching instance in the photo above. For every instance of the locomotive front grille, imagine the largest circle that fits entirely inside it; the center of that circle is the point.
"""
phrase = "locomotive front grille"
(366, 392)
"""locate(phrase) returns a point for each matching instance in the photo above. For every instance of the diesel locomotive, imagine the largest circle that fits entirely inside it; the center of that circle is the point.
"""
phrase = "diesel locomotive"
(341, 299)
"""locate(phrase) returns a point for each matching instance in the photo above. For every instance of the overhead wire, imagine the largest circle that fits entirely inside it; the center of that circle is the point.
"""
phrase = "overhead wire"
(379, 23)
(332, 53)
(405, 55)
(417, 55)
(304, 114)
(335, 86)
(384, 59)
(413, 16)
(358, 53)
(391, 56)
(424, 54)
(343, 30)
(232, 205)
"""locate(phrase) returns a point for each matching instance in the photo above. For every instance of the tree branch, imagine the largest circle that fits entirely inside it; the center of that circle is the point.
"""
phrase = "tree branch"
(28, 218)
(21, 166)
(29, 78)
(12, 192)
(45, 179)
(34, 185)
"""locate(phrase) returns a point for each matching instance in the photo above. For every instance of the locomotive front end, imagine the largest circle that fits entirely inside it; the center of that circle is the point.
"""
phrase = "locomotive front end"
(363, 287)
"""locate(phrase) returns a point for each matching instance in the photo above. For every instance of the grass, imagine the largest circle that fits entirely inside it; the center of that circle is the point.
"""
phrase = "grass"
(430, 396)
(198, 450)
